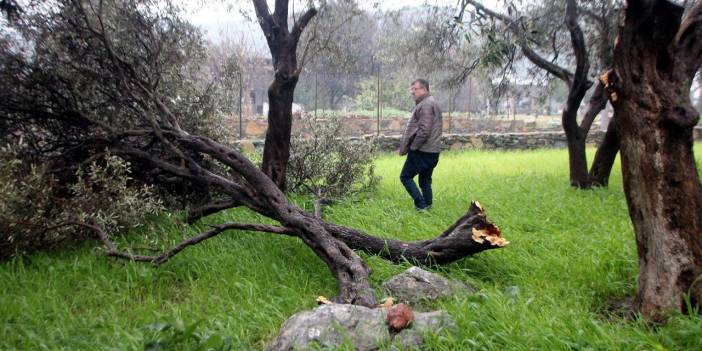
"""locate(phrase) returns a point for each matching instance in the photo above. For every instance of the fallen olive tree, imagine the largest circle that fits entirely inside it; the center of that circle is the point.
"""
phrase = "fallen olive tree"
(98, 69)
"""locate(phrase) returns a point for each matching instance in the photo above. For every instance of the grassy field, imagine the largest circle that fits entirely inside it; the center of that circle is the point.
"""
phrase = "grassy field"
(571, 251)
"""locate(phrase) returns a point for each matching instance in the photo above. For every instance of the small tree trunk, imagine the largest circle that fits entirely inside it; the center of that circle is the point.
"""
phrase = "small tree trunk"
(605, 156)
(656, 57)
(578, 87)
(575, 135)
(609, 147)
(577, 160)
(604, 119)
(318, 207)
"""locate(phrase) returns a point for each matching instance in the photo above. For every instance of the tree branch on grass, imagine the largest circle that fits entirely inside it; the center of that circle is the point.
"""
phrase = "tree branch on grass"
(220, 205)
(152, 122)
(157, 260)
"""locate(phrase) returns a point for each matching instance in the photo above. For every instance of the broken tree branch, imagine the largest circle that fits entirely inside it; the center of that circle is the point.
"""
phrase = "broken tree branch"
(470, 234)
(113, 251)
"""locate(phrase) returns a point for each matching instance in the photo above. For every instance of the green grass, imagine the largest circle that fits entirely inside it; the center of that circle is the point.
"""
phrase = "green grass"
(570, 252)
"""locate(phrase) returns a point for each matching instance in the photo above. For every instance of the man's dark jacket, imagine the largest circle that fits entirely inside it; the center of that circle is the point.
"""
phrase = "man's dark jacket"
(423, 131)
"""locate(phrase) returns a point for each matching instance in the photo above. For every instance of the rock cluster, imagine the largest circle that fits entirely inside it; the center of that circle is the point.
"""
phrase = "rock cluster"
(332, 325)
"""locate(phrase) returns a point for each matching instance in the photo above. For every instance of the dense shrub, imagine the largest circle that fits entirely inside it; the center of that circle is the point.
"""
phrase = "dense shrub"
(38, 212)
(327, 165)
(63, 95)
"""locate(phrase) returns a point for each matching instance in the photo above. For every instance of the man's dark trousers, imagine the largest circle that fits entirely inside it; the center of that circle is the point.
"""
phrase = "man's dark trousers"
(421, 163)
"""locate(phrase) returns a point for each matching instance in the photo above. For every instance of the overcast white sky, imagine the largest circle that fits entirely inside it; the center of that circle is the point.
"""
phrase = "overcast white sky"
(217, 16)
(204, 12)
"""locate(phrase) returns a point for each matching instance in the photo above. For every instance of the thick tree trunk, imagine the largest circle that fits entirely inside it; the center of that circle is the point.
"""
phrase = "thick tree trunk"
(276, 150)
(605, 156)
(655, 60)
(282, 42)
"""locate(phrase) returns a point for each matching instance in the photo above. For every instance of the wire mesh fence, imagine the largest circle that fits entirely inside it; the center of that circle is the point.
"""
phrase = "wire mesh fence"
(378, 102)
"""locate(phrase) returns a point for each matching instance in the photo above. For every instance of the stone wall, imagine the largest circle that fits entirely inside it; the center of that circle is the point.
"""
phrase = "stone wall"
(481, 141)
(497, 141)
(357, 126)
(478, 141)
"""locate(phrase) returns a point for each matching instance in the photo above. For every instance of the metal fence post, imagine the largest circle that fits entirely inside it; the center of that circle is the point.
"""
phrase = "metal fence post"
(315, 95)
(380, 94)
(449, 111)
(241, 102)
(470, 96)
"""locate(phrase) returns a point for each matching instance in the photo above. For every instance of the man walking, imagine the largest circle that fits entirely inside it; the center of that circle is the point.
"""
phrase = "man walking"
(421, 142)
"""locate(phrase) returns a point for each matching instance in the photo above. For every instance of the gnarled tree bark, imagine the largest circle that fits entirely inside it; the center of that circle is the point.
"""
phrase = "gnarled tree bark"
(282, 43)
(334, 244)
(658, 51)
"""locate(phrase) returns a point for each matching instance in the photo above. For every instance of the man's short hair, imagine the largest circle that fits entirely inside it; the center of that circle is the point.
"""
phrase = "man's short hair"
(423, 82)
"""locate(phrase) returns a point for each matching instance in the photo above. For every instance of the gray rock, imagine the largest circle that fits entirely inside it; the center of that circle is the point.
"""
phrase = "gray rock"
(416, 285)
(328, 326)
(413, 338)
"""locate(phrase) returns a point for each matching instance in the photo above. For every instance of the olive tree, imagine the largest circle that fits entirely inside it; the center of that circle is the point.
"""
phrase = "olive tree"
(541, 39)
(96, 73)
(658, 51)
